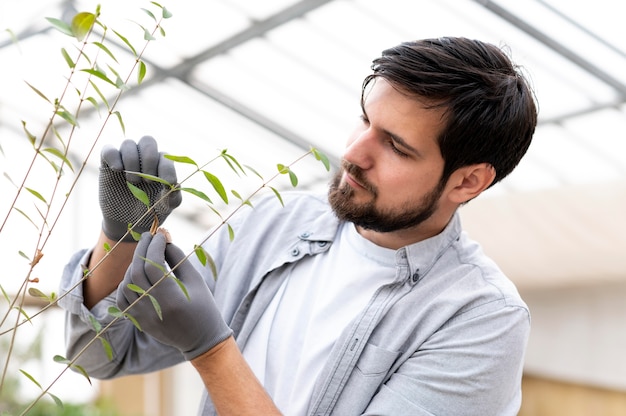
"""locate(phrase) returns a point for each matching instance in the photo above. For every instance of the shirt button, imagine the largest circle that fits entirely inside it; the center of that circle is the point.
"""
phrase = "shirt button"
(295, 252)
(415, 276)
(322, 243)
(305, 235)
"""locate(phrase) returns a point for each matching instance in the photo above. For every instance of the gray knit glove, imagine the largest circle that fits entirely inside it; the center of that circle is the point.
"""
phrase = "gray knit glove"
(119, 206)
(188, 320)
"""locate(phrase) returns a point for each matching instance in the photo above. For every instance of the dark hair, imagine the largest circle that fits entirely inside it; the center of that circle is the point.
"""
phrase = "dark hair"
(490, 108)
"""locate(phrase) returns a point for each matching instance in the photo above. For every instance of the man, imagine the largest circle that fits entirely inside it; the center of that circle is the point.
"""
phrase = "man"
(369, 301)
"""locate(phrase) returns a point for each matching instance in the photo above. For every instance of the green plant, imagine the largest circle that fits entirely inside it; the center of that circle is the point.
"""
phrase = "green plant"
(96, 80)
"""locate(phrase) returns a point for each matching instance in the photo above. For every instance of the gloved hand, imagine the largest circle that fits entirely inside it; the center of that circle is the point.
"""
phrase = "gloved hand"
(194, 325)
(119, 206)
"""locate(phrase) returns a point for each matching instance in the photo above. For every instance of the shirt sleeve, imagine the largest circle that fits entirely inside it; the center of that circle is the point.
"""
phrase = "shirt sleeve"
(121, 349)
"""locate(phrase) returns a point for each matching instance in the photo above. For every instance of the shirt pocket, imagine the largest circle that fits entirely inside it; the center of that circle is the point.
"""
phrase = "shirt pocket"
(375, 361)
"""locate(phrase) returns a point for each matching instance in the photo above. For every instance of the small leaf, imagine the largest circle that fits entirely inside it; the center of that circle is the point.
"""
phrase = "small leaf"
(200, 254)
(217, 185)
(31, 378)
(37, 194)
(81, 370)
(282, 169)
(146, 34)
(150, 177)
(182, 286)
(38, 92)
(156, 306)
(81, 24)
(106, 50)
(68, 117)
(280, 198)
(181, 159)
(321, 157)
(141, 73)
(250, 168)
(136, 236)
(31, 137)
(61, 26)
(135, 288)
(107, 348)
(166, 13)
(34, 292)
(139, 194)
(149, 13)
(126, 42)
(99, 74)
(67, 58)
(106, 246)
(134, 322)
(4, 293)
(231, 232)
(293, 178)
(94, 103)
(58, 401)
(245, 202)
(102, 97)
(197, 193)
(115, 312)
(119, 118)
(97, 326)
(60, 155)
(232, 162)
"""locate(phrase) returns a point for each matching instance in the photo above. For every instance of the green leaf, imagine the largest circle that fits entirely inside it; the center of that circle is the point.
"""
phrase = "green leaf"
(146, 34)
(156, 306)
(119, 118)
(105, 49)
(115, 312)
(141, 73)
(182, 286)
(99, 74)
(134, 322)
(38, 92)
(68, 117)
(217, 185)
(94, 103)
(126, 42)
(67, 58)
(150, 177)
(58, 401)
(293, 178)
(61, 26)
(81, 370)
(181, 159)
(27, 217)
(245, 202)
(149, 13)
(200, 254)
(82, 24)
(31, 137)
(250, 168)
(212, 265)
(34, 292)
(97, 326)
(31, 378)
(37, 194)
(231, 232)
(321, 157)
(102, 97)
(62, 360)
(280, 198)
(106, 246)
(232, 162)
(139, 194)
(60, 155)
(166, 13)
(107, 348)
(4, 293)
(197, 193)
(136, 236)
(135, 288)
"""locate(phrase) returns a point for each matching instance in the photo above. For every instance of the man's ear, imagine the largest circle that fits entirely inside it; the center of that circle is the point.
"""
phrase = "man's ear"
(470, 181)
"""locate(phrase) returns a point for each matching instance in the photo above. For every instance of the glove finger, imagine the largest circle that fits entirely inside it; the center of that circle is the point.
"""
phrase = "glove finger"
(149, 155)
(175, 257)
(130, 159)
(155, 252)
(111, 157)
(166, 169)
(137, 269)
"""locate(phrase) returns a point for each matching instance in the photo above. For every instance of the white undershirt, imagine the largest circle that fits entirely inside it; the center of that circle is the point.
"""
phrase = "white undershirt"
(290, 344)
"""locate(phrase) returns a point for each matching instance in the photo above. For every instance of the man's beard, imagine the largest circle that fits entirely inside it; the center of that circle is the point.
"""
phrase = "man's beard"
(367, 216)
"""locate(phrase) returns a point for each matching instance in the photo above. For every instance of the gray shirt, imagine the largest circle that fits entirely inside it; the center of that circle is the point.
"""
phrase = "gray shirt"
(446, 337)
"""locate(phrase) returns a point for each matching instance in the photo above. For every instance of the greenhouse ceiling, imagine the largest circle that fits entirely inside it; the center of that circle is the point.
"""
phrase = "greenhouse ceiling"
(267, 80)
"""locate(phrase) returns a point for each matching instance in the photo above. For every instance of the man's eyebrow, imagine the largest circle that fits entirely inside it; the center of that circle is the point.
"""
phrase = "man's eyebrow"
(402, 142)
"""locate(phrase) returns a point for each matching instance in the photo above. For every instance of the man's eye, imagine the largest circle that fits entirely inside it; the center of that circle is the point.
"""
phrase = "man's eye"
(395, 149)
